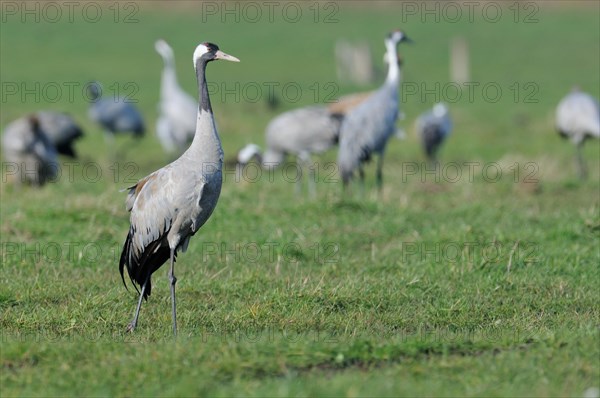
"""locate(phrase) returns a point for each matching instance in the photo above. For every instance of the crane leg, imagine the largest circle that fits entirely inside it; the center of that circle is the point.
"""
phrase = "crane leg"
(379, 172)
(361, 177)
(133, 323)
(581, 168)
(109, 139)
(298, 182)
(173, 280)
(312, 184)
(306, 164)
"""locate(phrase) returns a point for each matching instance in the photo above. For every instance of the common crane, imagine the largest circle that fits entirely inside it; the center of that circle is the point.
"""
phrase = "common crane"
(367, 128)
(62, 131)
(29, 155)
(433, 127)
(114, 115)
(170, 205)
(176, 123)
(577, 119)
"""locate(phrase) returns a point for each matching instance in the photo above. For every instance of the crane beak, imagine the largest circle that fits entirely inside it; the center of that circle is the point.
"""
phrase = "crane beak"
(407, 39)
(226, 57)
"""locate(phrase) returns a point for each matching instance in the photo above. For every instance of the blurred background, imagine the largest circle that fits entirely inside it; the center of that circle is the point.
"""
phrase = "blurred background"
(519, 59)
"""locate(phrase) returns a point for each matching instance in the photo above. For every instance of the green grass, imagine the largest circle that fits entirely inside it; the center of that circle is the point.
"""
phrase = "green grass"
(445, 288)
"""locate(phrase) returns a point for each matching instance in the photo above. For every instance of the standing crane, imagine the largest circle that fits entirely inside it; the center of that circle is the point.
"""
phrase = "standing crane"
(62, 131)
(577, 119)
(170, 205)
(116, 115)
(367, 128)
(176, 123)
(27, 148)
(433, 127)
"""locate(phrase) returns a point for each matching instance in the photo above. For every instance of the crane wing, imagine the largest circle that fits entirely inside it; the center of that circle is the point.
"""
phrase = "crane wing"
(150, 202)
(365, 130)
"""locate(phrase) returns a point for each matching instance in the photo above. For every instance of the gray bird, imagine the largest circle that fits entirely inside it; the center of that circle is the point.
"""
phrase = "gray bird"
(29, 155)
(62, 131)
(114, 115)
(176, 124)
(577, 119)
(170, 205)
(367, 128)
(301, 132)
(433, 127)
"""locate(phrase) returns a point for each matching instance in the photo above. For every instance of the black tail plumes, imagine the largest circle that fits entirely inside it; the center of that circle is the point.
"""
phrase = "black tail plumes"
(141, 269)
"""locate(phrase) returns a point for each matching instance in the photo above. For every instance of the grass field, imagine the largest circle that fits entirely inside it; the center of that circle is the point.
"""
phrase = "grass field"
(477, 284)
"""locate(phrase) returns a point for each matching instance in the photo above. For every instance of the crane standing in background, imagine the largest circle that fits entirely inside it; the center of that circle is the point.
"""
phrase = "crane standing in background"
(116, 115)
(367, 128)
(577, 119)
(176, 123)
(433, 127)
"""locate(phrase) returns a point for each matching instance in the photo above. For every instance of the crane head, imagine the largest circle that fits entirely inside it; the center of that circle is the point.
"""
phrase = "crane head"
(210, 52)
(397, 36)
(163, 48)
(249, 152)
(94, 91)
(34, 123)
(440, 109)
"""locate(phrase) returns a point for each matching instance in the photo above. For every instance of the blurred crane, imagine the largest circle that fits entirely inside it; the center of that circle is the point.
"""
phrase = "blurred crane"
(176, 124)
(170, 205)
(367, 128)
(28, 152)
(301, 132)
(577, 119)
(115, 115)
(433, 127)
(61, 129)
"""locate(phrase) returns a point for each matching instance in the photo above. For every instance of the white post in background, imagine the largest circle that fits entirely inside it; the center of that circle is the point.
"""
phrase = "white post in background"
(459, 60)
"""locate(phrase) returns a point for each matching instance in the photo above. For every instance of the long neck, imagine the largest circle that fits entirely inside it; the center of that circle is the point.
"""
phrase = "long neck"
(204, 103)
(393, 76)
(169, 78)
(206, 146)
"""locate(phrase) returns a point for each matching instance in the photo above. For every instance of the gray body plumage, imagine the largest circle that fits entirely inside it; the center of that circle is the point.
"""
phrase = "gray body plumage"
(577, 119)
(433, 127)
(115, 115)
(61, 129)
(170, 205)
(176, 124)
(367, 128)
(30, 151)
(300, 132)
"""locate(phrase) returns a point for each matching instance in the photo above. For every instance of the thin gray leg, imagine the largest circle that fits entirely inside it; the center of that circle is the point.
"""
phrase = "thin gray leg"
(581, 167)
(379, 172)
(361, 177)
(133, 323)
(306, 164)
(109, 139)
(298, 187)
(173, 281)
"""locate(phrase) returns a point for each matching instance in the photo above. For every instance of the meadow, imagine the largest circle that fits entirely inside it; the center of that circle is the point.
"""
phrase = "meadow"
(478, 280)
